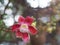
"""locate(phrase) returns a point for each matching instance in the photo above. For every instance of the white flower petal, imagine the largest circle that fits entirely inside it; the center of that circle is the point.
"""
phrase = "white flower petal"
(6, 2)
(39, 3)
(10, 4)
(17, 17)
(8, 11)
(33, 3)
(9, 21)
(44, 3)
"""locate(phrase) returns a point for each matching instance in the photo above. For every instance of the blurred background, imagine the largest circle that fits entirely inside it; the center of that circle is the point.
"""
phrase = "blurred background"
(47, 21)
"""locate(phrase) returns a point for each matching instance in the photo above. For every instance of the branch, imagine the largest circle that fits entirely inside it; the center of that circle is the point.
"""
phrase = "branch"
(6, 6)
(1, 15)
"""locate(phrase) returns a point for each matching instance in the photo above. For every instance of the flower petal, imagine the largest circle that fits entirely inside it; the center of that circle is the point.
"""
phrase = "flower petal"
(21, 19)
(26, 37)
(29, 20)
(18, 34)
(32, 30)
(15, 27)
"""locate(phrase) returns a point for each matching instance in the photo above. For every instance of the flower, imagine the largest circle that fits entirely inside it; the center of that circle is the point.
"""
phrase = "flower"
(24, 28)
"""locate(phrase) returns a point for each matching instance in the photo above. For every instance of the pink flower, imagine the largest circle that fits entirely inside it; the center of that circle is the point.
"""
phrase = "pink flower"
(24, 28)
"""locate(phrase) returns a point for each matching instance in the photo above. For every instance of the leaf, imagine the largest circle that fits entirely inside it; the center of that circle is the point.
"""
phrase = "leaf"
(2, 25)
(1, 22)
(1, 34)
(7, 36)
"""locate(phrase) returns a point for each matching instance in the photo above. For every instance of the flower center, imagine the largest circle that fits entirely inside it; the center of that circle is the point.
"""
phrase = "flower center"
(24, 28)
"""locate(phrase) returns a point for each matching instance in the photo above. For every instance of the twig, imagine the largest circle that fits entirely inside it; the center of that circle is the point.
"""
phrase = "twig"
(1, 15)
(6, 6)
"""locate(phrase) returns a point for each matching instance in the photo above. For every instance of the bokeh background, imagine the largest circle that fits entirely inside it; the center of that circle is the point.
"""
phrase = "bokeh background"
(47, 21)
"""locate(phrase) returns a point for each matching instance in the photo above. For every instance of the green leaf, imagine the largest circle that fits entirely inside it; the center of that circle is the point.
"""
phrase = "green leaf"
(7, 36)
(1, 34)
(1, 22)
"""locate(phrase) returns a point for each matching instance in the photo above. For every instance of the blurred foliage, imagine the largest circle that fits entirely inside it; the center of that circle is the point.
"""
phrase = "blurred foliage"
(2, 1)
(51, 26)
(2, 25)
(53, 18)
(8, 36)
(3, 32)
